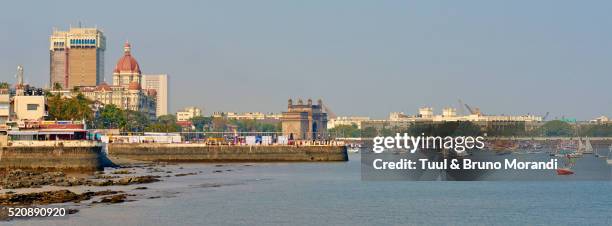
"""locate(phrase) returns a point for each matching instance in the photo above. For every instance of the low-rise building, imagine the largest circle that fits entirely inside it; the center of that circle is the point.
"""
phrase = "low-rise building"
(188, 113)
(5, 105)
(29, 107)
(600, 120)
(248, 116)
(347, 121)
(401, 121)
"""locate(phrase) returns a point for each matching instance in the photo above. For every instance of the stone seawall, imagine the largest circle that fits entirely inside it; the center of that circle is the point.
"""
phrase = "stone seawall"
(83, 158)
(224, 153)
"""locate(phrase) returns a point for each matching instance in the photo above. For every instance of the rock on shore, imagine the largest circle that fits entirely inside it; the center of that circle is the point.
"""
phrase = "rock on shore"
(32, 179)
(49, 197)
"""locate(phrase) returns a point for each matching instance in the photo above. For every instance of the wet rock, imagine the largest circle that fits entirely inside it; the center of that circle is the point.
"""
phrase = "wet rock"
(122, 172)
(184, 174)
(34, 179)
(103, 183)
(114, 199)
(137, 180)
(48, 197)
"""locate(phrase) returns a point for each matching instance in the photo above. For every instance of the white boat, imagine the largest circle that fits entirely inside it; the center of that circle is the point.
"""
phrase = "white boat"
(588, 149)
(581, 146)
(353, 148)
(610, 155)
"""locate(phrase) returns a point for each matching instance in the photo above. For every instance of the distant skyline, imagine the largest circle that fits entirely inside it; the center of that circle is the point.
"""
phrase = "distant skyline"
(363, 58)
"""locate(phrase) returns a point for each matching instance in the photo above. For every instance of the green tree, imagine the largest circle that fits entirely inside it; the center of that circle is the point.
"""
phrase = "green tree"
(369, 132)
(603, 130)
(252, 125)
(136, 121)
(57, 86)
(345, 131)
(75, 108)
(164, 123)
(200, 122)
(111, 117)
(556, 128)
(219, 124)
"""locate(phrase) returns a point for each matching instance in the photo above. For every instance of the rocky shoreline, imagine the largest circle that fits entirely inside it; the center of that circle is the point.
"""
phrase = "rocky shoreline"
(86, 189)
(15, 179)
(21, 188)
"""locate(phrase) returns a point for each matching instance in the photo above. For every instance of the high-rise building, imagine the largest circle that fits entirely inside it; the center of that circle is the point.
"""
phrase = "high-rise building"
(159, 83)
(77, 57)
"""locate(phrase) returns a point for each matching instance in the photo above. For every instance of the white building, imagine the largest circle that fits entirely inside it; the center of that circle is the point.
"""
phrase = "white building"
(188, 113)
(159, 83)
(346, 120)
(450, 115)
(248, 115)
(600, 120)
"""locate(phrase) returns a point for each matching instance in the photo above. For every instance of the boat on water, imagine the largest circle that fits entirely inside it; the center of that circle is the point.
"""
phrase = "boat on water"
(570, 148)
(564, 171)
(588, 148)
(353, 148)
(537, 146)
(609, 160)
(567, 169)
(504, 146)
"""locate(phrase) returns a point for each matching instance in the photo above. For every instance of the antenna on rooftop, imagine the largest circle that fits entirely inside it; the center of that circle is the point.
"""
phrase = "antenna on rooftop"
(19, 75)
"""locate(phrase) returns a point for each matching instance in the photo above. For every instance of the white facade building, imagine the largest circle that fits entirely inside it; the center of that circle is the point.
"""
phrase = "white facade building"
(188, 113)
(159, 83)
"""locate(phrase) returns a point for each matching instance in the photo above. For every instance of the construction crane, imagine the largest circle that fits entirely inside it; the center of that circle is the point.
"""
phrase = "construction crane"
(474, 111)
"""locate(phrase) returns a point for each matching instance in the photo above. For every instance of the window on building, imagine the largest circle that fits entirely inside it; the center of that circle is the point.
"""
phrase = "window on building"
(32, 107)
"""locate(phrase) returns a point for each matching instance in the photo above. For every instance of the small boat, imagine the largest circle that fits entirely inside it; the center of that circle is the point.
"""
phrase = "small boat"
(353, 148)
(565, 148)
(564, 171)
(588, 149)
(609, 160)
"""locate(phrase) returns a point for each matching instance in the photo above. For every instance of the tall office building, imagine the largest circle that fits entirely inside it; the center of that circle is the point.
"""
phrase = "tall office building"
(159, 83)
(77, 57)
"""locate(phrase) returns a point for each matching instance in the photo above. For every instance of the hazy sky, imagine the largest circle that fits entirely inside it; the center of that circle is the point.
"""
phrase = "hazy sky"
(362, 57)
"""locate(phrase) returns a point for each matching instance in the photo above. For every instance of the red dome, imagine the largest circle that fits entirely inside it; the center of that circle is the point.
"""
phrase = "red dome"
(127, 63)
(134, 86)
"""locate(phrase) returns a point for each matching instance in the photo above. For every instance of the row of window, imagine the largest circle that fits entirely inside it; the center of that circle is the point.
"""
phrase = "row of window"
(82, 41)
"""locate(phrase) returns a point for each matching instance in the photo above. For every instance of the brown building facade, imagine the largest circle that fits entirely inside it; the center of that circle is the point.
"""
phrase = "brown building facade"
(305, 121)
(77, 57)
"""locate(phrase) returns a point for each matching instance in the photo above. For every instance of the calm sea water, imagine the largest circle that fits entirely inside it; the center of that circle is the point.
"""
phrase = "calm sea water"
(334, 194)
